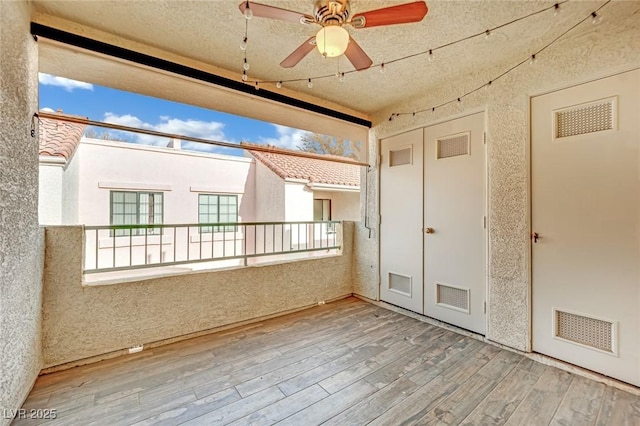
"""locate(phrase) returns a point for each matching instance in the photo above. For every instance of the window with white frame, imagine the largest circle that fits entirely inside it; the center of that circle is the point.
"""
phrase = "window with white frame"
(217, 208)
(322, 212)
(136, 208)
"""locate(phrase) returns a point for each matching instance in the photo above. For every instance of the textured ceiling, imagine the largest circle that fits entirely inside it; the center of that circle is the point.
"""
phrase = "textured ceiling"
(211, 32)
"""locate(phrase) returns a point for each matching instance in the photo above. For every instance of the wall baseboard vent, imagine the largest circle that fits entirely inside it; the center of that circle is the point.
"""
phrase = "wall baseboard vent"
(452, 297)
(135, 349)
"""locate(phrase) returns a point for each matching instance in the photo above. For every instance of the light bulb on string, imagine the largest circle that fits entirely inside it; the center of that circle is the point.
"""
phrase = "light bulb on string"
(487, 34)
(245, 66)
(533, 59)
(595, 18)
(243, 45)
(248, 13)
(279, 85)
(557, 10)
(430, 57)
(244, 76)
(382, 68)
(488, 85)
(341, 78)
(310, 84)
(257, 86)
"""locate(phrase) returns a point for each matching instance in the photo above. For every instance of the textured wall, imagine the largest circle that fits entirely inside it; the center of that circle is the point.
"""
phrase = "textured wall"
(587, 53)
(20, 237)
(50, 192)
(81, 322)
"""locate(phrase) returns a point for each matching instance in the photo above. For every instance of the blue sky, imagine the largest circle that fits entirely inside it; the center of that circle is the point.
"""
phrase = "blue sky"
(115, 106)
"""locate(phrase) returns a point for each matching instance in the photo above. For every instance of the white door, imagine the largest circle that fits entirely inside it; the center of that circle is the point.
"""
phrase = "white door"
(401, 223)
(454, 220)
(585, 171)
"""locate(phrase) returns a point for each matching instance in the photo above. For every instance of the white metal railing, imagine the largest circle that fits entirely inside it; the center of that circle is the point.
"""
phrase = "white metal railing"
(124, 247)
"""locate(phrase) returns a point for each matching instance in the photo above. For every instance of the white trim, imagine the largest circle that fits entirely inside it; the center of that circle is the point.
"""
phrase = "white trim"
(135, 186)
(332, 187)
(215, 190)
(296, 180)
(52, 160)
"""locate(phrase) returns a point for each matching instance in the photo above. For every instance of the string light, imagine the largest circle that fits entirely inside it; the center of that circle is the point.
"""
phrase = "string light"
(245, 66)
(382, 68)
(533, 59)
(244, 76)
(487, 34)
(243, 45)
(595, 18)
(593, 15)
(310, 84)
(557, 10)
(341, 78)
(279, 85)
(248, 13)
(257, 87)
(430, 55)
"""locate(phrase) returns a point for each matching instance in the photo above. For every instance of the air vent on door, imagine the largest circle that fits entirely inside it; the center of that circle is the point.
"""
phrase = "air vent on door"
(452, 297)
(453, 146)
(400, 157)
(586, 331)
(585, 118)
(400, 283)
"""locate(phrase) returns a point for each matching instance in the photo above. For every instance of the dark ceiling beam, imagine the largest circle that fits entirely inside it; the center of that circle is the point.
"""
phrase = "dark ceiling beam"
(173, 67)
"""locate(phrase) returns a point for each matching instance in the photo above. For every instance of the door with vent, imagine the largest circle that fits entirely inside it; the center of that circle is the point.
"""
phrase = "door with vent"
(401, 224)
(454, 220)
(585, 169)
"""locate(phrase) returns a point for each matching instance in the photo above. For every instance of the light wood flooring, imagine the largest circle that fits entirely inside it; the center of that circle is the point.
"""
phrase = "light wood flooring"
(344, 363)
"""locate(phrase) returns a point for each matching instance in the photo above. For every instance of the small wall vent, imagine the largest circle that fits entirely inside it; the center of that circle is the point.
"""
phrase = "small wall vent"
(453, 146)
(400, 283)
(585, 118)
(594, 333)
(400, 157)
(452, 297)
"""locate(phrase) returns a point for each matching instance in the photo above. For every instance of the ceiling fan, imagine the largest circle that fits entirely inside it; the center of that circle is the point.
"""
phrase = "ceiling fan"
(333, 40)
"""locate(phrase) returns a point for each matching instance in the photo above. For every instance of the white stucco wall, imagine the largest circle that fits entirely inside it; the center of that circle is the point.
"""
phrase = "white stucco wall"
(180, 175)
(344, 205)
(21, 242)
(50, 190)
(298, 202)
(589, 52)
(85, 321)
(269, 195)
(71, 191)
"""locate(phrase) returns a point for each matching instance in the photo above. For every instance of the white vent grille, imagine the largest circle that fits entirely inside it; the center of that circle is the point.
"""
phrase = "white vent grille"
(587, 331)
(453, 146)
(452, 297)
(400, 283)
(585, 118)
(400, 157)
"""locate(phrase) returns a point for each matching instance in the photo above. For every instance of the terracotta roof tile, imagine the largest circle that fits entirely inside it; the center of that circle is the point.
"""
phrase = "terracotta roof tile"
(59, 138)
(311, 169)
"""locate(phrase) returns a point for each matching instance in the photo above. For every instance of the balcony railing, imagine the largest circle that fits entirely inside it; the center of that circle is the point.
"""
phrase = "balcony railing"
(125, 247)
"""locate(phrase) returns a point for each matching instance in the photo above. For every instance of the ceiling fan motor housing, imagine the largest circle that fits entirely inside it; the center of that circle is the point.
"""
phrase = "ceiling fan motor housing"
(332, 12)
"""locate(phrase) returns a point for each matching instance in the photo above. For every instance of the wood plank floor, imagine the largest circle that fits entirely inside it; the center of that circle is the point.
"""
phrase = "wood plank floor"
(345, 363)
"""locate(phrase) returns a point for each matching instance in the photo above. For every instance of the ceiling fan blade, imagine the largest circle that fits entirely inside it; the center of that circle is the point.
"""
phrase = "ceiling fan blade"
(298, 54)
(358, 58)
(265, 11)
(400, 14)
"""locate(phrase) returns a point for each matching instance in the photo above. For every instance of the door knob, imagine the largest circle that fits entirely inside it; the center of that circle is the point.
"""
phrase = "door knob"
(429, 231)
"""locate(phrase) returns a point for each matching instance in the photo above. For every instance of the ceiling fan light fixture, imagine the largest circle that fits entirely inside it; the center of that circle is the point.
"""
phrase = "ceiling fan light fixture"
(332, 41)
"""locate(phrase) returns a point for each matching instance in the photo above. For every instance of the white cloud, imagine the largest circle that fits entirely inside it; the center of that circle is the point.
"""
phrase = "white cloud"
(194, 128)
(66, 83)
(288, 137)
(47, 109)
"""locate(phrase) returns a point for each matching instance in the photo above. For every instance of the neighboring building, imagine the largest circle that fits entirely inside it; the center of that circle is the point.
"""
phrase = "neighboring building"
(102, 182)
(97, 182)
(333, 189)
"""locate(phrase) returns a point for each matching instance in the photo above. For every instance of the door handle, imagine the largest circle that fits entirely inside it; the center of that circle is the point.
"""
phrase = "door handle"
(535, 237)
(429, 231)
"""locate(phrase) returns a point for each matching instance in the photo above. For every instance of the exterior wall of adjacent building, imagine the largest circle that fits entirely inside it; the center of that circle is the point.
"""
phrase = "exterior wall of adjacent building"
(51, 190)
(269, 195)
(21, 240)
(591, 52)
